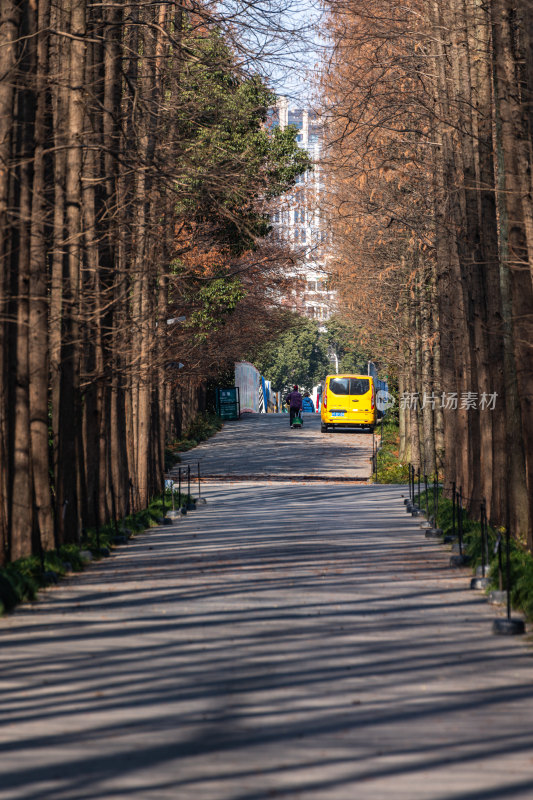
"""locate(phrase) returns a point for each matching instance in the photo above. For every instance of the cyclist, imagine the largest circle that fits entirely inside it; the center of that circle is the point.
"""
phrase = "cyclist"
(294, 401)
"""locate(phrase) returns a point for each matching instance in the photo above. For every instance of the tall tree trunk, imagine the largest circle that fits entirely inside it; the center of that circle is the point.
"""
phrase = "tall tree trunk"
(429, 400)
(22, 494)
(9, 22)
(38, 311)
(59, 61)
(70, 411)
(517, 288)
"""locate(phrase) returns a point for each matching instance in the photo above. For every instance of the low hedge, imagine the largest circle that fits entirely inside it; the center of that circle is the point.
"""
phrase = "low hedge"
(521, 561)
(21, 580)
(201, 428)
(390, 468)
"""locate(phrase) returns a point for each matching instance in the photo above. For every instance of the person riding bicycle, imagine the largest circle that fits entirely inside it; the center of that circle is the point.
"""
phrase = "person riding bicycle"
(294, 401)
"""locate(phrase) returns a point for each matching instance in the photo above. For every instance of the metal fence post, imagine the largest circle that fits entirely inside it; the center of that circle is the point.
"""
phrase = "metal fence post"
(508, 626)
(436, 497)
(190, 505)
(183, 507)
(200, 498)
(481, 581)
(453, 509)
(484, 534)
(460, 519)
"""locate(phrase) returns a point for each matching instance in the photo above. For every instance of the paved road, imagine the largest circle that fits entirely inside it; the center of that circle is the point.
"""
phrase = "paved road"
(263, 445)
(298, 641)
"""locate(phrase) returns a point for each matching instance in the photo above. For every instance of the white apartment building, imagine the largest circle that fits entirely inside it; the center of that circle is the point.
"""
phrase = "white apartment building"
(299, 220)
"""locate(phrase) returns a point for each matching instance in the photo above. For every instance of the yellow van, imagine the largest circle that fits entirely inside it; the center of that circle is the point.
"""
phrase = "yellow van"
(348, 400)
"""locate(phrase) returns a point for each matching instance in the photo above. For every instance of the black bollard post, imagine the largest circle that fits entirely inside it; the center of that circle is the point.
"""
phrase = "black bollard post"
(182, 504)
(433, 532)
(190, 505)
(500, 562)
(461, 560)
(119, 538)
(481, 581)
(484, 535)
(487, 540)
(132, 498)
(200, 498)
(417, 511)
(409, 502)
(454, 499)
(97, 519)
(451, 537)
(460, 519)
(508, 626)
(167, 520)
(426, 524)
(436, 498)
(41, 554)
(508, 570)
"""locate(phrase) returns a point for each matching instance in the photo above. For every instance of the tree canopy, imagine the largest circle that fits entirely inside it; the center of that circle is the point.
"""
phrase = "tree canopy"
(134, 196)
(428, 109)
(298, 355)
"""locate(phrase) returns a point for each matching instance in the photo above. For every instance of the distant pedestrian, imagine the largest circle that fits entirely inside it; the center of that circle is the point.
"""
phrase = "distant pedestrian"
(294, 401)
(307, 403)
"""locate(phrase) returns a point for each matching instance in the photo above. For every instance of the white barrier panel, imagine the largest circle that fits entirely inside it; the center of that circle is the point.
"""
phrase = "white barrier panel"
(248, 379)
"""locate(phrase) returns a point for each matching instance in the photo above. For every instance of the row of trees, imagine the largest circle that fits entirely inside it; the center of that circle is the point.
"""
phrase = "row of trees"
(135, 172)
(430, 153)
